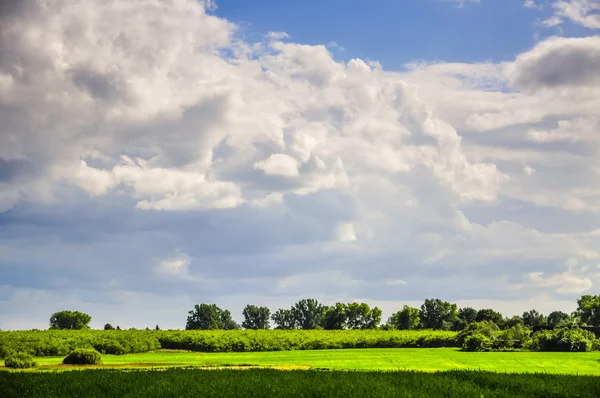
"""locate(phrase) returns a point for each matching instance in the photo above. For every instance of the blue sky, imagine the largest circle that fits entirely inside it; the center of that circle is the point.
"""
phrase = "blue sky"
(158, 155)
(397, 32)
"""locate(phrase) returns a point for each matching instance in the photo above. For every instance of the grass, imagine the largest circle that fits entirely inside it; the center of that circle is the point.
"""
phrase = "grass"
(417, 359)
(311, 383)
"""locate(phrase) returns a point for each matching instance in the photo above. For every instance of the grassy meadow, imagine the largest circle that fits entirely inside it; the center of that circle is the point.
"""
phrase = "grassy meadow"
(372, 359)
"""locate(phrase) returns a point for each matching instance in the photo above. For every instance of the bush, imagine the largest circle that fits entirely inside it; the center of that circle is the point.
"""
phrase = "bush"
(477, 342)
(83, 356)
(485, 328)
(19, 360)
(564, 339)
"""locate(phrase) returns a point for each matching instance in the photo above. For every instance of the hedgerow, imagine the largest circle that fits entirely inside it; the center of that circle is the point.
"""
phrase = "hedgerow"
(62, 342)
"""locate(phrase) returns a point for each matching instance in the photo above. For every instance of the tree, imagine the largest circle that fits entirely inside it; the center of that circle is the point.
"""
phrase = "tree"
(361, 316)
(308, 314)
(335, 317)
(256, 317)
(438, 314)
(467, 314)
(588, 310)
(514, 321)
(70, 320)
(118, 327)
(208, 317)
(556, 318)
(406, 319)
(156, 328)
(108, 326)
(284, 319)
(533, 319)
(490, 316)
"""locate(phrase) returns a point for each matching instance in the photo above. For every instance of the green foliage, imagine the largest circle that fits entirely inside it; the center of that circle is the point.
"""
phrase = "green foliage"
(489, 315)
(557, 318)
(284, 319)
(563, 339)
(487, 329)
(83, 356)
(296, 383)
(361, 316)
(283, 340)
(256, 317)
(533, 318)
(19, 360)
(42, 343)
(209, 317)
(588, 310)
(467, 314)
(477, 342)
(405, 319)
(438, 314)
(336, 317)
(62, 342)
(513, 321)
(72, 320)
(308, 314)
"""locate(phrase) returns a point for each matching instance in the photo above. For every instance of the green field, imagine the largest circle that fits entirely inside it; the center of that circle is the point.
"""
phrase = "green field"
(420, 359)
(310, 383)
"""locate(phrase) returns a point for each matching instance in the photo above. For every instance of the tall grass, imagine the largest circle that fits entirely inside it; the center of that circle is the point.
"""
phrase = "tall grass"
(273, 383)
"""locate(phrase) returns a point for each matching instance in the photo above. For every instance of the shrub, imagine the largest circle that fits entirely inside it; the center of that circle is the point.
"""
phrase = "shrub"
(83, 356)
(564, 339)
(19, 360)
(477, 342)
(485, 328)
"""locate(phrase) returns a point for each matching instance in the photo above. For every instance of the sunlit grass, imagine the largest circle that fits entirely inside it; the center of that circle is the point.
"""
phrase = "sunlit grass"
(421, 359)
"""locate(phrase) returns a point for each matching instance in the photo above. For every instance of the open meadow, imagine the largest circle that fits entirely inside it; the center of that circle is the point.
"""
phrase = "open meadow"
(372, 359)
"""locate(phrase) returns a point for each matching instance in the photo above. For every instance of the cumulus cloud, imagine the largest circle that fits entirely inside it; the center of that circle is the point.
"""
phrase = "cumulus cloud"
(143, 128)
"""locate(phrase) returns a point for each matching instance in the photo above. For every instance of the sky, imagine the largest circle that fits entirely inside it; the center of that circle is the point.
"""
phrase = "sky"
(158, 154)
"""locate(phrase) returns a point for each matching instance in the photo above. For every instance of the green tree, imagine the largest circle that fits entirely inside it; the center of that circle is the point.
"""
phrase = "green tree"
(489, 315)
(308, 314)
(533, 319)
(513, 321)
(284, 319)
(405, 319)
(467, 314)
(208, 317)
(70, 320)
(256, 317)
(588, 310)
(556, 318)
(108, 326)
(438, 314)
(335, 317)
(361, 316)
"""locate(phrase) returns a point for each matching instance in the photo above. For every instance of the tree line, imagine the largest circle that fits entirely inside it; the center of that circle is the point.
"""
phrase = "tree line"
(309, 314)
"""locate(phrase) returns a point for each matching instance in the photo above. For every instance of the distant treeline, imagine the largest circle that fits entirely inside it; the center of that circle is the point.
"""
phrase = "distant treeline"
(468, 328)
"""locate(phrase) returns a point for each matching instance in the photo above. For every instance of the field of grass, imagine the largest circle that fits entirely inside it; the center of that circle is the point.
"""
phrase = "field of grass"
(418, 359)
(274, 383)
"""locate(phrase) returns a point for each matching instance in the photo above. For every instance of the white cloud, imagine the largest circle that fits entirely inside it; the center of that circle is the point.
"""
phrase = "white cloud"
(279, 169)
(582, 12)
(279, 164)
